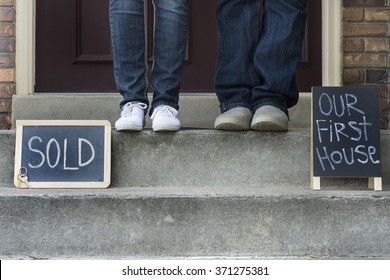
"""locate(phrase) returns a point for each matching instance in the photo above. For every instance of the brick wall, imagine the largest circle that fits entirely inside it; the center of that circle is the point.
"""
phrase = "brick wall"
(366, 48)
(7, 60)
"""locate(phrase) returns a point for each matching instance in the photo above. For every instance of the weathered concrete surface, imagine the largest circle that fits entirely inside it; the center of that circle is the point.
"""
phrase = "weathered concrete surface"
(196, 111)
(199, 193)
(199, 158)
(210, 158)
(265, 222)
(7, 156)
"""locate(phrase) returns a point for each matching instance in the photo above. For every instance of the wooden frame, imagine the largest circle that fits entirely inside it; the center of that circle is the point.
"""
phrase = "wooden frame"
(374, 183)
(106, 161)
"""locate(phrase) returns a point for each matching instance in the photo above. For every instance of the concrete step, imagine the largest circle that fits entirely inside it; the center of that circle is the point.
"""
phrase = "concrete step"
(198, 158)
(277, 222)
(196, 110)
(199, 193)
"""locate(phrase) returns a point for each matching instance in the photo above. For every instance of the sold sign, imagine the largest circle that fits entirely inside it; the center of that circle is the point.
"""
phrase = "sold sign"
(63, 154)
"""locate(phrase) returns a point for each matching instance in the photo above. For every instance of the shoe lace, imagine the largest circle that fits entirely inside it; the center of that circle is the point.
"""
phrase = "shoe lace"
(131, 108)
(165, 110)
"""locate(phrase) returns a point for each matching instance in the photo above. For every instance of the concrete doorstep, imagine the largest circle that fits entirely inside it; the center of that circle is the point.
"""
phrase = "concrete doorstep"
(164, 223)
(196, 110)
(199, 158)
(197, 193)
(191, 194)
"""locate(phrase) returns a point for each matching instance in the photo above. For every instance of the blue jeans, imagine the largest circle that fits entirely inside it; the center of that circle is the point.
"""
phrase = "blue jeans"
(128, 35)
(259, 54)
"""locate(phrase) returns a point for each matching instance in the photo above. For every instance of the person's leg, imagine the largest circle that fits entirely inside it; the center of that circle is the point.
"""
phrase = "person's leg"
(278, 54)
(276, 61)
(128, 44)
(170, 41)
(238, 33)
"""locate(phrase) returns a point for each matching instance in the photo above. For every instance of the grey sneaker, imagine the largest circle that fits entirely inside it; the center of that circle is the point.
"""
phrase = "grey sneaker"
(238, 118)
(269, 118)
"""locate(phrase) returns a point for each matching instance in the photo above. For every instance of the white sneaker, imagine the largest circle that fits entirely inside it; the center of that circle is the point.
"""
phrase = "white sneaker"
(164, 119)
(132, 117)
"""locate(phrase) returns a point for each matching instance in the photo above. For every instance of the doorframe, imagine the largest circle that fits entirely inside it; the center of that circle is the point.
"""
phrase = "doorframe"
(25, 45)
(331, 43)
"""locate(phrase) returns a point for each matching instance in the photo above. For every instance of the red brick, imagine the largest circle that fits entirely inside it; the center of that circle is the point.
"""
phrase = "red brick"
(377, 45)
(353, 45)
(7, 75)
(377, 15)
(7, 29)
(365, 60)
(7, 14)
(384, 91)
(7, 44)
(353, 14)
(365, 29)
(5, 105)
(7, 90)
(5, 121)
(353, 76)
(364, 3)
(7, 2)
(377, 76)
(7, 60)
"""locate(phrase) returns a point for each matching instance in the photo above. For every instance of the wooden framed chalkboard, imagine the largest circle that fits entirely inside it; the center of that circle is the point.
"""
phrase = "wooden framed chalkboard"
(345, 134)
(62, 154)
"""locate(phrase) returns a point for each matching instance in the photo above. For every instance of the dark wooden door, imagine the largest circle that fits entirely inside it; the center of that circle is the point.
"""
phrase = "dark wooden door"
(73, 49)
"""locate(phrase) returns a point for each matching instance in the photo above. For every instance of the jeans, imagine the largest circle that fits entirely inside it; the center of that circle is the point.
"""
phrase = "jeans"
(128, 35)
(260, 45)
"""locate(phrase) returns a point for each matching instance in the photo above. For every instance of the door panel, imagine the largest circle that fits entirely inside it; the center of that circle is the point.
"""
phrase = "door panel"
(73, 48)
(310, 70)
(87, 45)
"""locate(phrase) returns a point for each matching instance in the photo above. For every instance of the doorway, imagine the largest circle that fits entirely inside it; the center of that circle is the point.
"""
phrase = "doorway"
(73, 51)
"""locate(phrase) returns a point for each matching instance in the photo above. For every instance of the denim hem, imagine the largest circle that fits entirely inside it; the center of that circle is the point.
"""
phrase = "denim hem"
(228, 106)
(155, 105)
(141, 100)
(271, 103)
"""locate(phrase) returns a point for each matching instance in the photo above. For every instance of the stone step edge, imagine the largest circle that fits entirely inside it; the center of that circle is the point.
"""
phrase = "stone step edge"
(204, 192)
(204, 106)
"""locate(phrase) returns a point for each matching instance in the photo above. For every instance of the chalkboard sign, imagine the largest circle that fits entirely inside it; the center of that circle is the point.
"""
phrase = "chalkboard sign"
(62, 154)
(345, 132)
